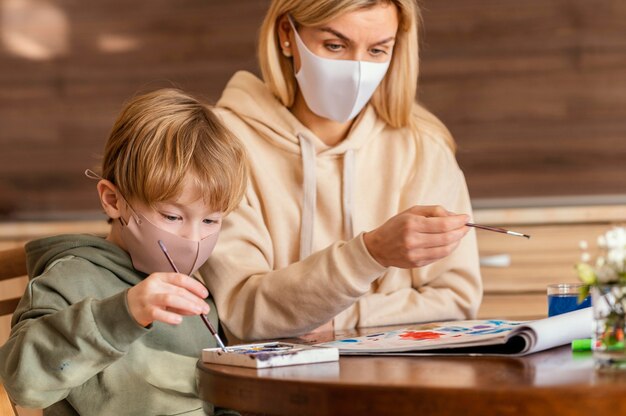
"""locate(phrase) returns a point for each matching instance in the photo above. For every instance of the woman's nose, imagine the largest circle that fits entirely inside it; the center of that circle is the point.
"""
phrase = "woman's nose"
(358, 55)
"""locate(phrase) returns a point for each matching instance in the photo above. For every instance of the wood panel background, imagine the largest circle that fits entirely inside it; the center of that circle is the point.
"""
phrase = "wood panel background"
(533, 91)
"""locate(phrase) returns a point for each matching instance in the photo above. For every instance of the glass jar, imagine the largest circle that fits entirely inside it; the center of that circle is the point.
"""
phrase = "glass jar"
(609, 323)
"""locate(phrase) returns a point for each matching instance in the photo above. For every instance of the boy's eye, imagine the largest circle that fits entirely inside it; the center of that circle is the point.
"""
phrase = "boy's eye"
(210, 221)
(171, 218)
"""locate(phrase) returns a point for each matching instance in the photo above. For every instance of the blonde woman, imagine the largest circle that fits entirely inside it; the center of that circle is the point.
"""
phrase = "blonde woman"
(355, 211)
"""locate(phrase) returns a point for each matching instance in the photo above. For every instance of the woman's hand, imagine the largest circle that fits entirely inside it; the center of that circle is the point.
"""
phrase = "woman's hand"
(416, 237)
(165, 297)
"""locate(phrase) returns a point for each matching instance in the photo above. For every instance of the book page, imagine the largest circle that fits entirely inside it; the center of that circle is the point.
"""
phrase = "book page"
(484, 337)
(452, 334)
(559, 330)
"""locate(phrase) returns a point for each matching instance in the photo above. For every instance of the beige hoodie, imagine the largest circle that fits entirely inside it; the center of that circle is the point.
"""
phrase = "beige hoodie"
(292, 256)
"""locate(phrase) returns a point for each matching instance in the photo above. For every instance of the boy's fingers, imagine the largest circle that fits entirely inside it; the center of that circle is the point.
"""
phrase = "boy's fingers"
(168, 317)
(185, 304)
(190, 301)
(188, 283)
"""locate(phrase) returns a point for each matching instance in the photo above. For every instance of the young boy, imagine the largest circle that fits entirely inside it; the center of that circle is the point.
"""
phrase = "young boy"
(105, 326)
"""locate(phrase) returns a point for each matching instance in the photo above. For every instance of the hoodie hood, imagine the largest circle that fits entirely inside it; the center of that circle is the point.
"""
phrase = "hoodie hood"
(41, 254)
(249, 98)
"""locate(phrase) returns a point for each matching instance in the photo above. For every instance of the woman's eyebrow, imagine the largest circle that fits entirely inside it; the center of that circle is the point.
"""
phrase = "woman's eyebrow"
(387, 40)
(336, 33)
(347, 39)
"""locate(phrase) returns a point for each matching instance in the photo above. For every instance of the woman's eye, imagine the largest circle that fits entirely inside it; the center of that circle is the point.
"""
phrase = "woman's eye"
(378, 52)
(334, 47)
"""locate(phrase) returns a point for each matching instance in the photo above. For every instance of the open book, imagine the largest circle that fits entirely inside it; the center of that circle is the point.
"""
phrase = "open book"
(484, 337)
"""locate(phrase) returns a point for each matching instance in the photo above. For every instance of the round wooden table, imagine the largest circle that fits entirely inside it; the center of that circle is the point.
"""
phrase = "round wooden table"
(553, 382)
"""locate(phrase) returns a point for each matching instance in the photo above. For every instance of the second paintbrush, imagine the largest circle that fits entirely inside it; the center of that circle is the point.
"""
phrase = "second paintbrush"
(497, 230)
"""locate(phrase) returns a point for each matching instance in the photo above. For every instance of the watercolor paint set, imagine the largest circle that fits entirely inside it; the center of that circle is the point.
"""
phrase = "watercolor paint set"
(269, 354)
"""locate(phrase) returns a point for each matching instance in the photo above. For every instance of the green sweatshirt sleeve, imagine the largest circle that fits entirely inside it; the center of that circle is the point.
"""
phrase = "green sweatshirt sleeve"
(56, 346)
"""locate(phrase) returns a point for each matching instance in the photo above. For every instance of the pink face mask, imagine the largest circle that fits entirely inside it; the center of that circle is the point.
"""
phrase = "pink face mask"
(141, 239)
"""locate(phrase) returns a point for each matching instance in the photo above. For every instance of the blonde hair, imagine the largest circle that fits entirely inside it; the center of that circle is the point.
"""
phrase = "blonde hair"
(394, 100)
(161, 137)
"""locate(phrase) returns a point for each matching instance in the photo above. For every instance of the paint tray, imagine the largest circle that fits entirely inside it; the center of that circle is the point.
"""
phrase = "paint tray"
(269, 354)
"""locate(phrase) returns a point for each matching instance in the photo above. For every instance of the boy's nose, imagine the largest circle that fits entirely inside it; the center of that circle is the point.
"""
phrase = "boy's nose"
(192, 233)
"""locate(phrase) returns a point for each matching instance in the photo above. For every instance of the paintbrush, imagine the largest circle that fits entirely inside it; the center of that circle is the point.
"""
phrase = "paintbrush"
(497, 230)
(204, 318)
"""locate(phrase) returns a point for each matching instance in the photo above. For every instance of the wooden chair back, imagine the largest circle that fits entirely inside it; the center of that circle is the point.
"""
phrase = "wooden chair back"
(12, 265)
(6, 406)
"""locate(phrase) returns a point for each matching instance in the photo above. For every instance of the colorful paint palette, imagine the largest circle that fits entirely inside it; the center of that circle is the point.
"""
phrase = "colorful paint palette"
(269, 354)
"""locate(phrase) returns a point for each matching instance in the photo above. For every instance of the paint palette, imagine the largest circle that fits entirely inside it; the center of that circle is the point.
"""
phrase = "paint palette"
(269, 354)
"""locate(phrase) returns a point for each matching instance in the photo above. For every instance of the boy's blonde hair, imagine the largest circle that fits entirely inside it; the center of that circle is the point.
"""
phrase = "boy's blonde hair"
(394, 100)
(161, 137)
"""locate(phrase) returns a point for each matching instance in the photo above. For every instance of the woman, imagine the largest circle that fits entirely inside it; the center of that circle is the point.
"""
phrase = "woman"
(343, 223)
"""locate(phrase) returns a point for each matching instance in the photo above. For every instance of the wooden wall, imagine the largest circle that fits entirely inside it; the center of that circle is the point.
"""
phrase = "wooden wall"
(56, 112)
(533, 91)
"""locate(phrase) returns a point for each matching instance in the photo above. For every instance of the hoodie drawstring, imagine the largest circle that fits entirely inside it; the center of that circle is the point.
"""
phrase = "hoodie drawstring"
(347, 197)
(309, 188)
(309, 199)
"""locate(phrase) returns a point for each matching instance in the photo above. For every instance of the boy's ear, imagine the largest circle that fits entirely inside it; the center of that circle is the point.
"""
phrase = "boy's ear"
(111, 202)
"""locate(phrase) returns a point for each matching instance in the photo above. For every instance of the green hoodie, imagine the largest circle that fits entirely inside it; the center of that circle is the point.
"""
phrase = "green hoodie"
(74, 347)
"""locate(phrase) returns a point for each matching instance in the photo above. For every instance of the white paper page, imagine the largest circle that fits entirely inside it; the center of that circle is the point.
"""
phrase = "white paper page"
(559, 330)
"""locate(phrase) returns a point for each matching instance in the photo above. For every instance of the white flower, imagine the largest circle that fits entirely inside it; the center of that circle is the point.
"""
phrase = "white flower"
(610, 265)
(615, 238)
(606, 274)
(615, 258)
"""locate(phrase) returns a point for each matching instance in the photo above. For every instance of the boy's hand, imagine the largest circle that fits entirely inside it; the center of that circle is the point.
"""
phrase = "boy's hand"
(416, 237)
(165, 297)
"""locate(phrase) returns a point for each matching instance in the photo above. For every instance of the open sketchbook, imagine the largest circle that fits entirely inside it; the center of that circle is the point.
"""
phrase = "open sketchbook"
(484, 337)
(269, 354)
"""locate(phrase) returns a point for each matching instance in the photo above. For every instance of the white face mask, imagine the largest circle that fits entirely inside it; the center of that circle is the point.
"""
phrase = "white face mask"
(333, 88)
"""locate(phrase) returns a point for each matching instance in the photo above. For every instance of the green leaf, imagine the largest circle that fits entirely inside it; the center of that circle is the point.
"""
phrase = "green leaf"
(583, 292)
(586, 273)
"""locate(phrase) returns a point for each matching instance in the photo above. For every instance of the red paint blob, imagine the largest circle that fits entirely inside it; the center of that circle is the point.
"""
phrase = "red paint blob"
(421, 335)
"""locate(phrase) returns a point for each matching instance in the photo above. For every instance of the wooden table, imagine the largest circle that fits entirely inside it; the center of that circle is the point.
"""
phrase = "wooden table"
(553, 382)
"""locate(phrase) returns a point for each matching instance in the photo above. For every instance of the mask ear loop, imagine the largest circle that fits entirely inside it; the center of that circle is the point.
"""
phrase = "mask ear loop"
(93, 175)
